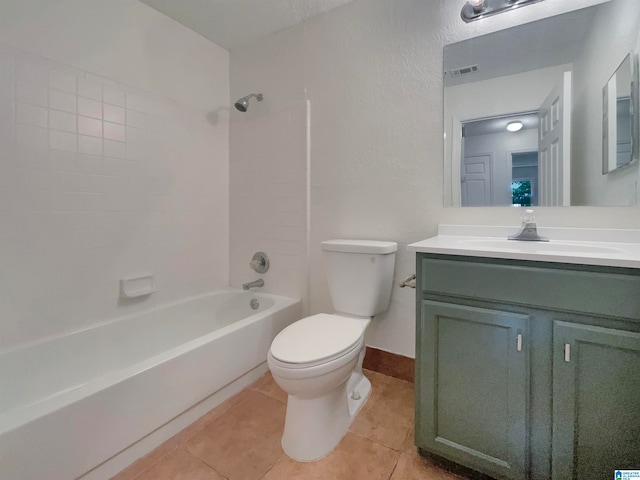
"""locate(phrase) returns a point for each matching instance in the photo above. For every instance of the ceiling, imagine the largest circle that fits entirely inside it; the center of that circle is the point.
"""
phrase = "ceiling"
(551, 41)
(232, 23)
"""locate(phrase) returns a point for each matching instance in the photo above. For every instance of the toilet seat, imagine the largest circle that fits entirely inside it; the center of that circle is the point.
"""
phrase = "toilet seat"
(316, 340)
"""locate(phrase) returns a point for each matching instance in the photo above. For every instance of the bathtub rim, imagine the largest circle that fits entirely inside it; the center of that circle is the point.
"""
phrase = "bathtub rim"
(128, 316)
(23, 415)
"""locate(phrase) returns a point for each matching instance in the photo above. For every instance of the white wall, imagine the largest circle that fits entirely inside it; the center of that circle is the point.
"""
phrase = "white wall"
(372, 71)
(593, 69)
(268, 167)
(109, 175)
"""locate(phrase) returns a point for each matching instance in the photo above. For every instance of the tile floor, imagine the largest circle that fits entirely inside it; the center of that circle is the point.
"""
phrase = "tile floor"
(240, 440)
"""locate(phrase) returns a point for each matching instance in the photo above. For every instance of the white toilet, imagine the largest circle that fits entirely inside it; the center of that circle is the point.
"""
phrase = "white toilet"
(318, 360)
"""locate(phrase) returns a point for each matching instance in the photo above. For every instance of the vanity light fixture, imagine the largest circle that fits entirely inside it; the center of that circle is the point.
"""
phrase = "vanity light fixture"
(476, 9)
(477, 5)
(514, 126)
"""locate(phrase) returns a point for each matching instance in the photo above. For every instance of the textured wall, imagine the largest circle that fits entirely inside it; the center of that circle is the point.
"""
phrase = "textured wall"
(376, 140)
(111, 175)
(372, 71)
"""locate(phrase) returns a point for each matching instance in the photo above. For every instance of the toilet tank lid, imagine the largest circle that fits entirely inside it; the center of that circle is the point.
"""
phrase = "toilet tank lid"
(359, 246)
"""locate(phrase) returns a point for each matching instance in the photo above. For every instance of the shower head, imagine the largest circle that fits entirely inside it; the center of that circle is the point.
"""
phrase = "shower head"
(243, 104)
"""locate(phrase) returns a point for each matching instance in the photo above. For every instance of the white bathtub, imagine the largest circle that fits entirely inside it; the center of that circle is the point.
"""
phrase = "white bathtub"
(70, 403)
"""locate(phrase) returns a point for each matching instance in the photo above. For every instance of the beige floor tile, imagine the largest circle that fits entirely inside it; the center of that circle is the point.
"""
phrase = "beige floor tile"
(267, 385)
(243, 443)
(180, 465)
(152, 457)
(146, 462)
(409, 444)
(355, 458)
(412, 466)
(388, 414)
(240, 440)
(376, 377)
(206, 419)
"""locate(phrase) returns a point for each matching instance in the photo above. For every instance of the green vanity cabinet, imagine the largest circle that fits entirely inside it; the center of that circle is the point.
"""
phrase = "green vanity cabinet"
(528, 370)
(476, 386)
(596, 401)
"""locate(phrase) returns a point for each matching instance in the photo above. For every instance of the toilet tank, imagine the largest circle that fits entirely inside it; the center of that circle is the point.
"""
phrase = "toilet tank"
(360, 275)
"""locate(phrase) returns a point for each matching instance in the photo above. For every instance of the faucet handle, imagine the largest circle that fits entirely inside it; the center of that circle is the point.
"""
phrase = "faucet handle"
(256, 263)
(259, 262)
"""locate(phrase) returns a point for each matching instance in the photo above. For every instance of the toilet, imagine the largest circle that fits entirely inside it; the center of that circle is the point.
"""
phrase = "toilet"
(318, 359)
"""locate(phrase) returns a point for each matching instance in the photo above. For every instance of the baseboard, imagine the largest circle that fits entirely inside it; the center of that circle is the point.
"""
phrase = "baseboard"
(134, 452)
(390, 364)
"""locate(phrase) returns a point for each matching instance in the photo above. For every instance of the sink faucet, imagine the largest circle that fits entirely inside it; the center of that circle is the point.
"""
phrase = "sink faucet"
(529, 231)
(256, 283)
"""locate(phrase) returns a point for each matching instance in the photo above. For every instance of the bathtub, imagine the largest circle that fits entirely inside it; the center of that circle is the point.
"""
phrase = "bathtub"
(71, 403)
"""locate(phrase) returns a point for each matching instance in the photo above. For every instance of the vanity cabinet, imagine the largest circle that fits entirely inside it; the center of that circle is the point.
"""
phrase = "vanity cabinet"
(474, 385)
(528, 369)
(596, 401)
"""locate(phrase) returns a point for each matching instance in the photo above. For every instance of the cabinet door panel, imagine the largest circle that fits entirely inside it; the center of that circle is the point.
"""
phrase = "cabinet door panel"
(473, 387)
(596, 401)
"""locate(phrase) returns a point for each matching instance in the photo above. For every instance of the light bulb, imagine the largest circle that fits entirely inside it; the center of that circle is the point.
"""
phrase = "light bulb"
(476, 3)
(514, 126)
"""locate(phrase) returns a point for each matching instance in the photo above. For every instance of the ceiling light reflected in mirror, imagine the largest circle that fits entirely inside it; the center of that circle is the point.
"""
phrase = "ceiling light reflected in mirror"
(514, 126)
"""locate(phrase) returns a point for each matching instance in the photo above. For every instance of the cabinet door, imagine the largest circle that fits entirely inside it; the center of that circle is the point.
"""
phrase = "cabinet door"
(473, 386)
(596, 401)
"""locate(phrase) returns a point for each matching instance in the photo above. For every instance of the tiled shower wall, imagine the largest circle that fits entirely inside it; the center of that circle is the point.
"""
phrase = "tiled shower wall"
(268, 197)
(100, 181)
(268, 167)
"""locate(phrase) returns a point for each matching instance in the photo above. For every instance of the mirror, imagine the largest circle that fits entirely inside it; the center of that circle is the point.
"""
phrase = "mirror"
(619, 138)
(544, 81)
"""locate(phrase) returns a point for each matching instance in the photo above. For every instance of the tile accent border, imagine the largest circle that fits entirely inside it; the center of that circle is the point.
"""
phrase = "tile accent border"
(390, 364)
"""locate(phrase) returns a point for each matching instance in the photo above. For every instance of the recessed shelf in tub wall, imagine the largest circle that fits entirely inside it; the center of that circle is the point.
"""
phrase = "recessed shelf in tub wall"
(134, 287)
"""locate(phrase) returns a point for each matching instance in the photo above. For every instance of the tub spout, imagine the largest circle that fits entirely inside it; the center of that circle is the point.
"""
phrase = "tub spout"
(255, 283)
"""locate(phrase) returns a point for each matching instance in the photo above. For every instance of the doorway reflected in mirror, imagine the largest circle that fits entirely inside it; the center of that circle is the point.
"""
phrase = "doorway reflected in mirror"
(499, 161)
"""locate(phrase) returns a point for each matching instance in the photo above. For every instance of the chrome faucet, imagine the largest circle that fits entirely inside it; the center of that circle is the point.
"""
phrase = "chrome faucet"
(256, 283)
(529, 230)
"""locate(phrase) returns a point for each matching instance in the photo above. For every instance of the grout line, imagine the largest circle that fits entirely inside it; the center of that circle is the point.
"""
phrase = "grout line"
(271, 467)
(395, 466)
(209, 465)
(376, 441)
(206, 464)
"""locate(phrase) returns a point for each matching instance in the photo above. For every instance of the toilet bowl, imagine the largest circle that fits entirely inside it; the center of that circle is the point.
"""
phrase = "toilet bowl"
(318, 362)
(318, 359)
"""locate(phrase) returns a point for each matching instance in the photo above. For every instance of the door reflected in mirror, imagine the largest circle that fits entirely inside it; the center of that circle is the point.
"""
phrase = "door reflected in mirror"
(489, 143)
(551, 71)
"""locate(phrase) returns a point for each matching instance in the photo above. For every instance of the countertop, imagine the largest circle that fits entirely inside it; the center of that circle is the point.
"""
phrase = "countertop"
(605, 247)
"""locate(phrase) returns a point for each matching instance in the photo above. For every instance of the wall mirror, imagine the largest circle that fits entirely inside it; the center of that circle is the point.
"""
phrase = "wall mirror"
(523, 111)
(619, 128)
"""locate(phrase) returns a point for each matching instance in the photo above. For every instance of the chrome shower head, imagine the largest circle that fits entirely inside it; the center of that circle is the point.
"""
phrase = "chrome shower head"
(243, 104)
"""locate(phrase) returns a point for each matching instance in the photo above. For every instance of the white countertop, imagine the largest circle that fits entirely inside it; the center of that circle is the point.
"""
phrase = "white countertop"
(607, 247)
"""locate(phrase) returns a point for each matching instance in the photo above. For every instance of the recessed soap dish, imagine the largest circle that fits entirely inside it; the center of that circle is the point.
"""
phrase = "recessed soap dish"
(133, 287)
